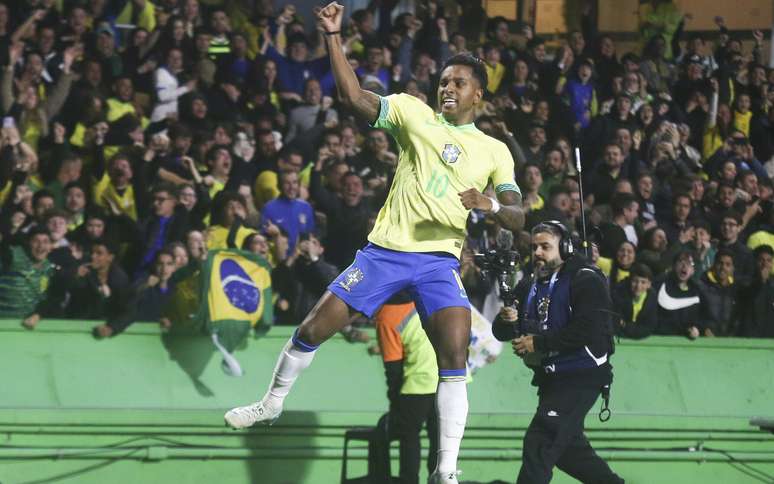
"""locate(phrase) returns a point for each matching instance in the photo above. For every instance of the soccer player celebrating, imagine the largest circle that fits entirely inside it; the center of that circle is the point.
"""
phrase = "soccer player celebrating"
(445, 164)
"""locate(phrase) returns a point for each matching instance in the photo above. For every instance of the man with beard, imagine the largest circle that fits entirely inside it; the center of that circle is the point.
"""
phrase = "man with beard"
(564, 335)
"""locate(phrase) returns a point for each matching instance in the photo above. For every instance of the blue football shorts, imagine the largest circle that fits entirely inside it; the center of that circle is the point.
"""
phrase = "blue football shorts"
(432, 279)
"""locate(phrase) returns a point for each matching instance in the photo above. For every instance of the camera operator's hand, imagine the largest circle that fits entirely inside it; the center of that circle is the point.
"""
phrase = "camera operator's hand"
(509, 314)
(524, 345)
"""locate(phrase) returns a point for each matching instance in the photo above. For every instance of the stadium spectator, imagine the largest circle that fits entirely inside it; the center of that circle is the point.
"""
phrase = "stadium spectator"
(634, 301)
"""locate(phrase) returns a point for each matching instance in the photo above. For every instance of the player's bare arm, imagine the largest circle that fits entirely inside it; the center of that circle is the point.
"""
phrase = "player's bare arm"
(510, 214)
(364, 103)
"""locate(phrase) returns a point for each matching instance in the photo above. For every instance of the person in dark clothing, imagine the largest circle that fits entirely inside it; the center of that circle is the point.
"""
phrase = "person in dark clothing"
(730, 227)
(145, 300)
(756, 302)
(719, 292)
(101, 290)
(625, 211)
(635, 304)
(679, 299)
(168, 223)
(607, 173)
(568, 348)
(348, 215)
(301, 279)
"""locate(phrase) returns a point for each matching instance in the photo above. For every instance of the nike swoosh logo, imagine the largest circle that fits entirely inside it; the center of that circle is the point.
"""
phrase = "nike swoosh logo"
(672, 303)
(599, 361)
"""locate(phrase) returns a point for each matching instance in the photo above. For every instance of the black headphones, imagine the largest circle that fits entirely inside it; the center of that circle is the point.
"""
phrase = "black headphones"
(566, 247)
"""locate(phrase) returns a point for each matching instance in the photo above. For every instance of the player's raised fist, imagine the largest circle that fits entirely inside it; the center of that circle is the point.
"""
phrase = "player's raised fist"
(329, 17)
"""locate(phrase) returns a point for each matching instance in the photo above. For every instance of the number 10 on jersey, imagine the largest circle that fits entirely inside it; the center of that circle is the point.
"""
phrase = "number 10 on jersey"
(437, 184)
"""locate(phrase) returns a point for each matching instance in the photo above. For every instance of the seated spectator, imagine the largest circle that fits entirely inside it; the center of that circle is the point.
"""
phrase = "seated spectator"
(679, 300)
(617, 269)
(756, 301)
(635, 304)
(719, 293)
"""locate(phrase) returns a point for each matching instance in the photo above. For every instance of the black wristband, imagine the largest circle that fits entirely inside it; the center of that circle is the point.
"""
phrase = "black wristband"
(333, 33)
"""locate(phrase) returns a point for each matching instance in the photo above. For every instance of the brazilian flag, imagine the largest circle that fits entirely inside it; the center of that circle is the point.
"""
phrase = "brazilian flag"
(235, 295)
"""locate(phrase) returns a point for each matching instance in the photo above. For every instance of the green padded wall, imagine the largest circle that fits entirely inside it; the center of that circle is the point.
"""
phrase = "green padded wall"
(147, 407)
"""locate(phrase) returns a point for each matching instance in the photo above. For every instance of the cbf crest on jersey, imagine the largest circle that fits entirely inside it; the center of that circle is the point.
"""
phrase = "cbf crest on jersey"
(450, 153)
(352, 277)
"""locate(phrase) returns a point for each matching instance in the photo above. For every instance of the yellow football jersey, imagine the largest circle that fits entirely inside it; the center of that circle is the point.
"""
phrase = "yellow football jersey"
(423, 212)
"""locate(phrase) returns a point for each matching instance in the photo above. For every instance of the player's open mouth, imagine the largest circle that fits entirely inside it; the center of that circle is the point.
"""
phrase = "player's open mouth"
(449, 102)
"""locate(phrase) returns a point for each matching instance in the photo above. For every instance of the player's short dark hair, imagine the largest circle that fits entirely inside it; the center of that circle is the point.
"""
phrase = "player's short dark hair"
(475, 64)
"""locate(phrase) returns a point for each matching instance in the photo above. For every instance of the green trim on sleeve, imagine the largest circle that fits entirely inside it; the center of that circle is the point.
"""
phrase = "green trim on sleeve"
(384, 111)
(507, 187)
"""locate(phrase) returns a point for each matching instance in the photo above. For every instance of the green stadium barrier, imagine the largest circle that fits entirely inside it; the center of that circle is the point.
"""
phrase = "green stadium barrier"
(147, 407)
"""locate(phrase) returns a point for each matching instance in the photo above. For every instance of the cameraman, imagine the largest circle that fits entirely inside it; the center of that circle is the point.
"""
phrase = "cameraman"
(564, 335)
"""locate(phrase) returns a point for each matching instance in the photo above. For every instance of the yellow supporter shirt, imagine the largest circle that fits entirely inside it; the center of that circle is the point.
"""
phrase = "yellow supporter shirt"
(437, 160)
(495, 76)
(217, 237)
(105, 194)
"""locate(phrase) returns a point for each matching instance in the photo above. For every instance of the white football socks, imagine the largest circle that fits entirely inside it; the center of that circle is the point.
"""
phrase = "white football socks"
(290, 364)
(452, 404)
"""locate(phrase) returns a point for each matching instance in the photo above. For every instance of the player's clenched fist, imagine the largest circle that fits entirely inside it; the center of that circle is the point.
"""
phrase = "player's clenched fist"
(473, 199)
(329, 17)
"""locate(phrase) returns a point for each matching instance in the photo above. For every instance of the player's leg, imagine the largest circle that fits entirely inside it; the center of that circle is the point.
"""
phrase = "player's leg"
(449, 331)
(371, 279)
(329, 315)
(443, 304)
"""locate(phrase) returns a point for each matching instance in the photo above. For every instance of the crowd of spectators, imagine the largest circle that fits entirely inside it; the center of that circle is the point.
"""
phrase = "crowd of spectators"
(137, 136)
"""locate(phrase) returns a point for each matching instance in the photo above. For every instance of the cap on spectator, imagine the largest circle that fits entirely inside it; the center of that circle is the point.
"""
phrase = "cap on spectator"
(105, 28)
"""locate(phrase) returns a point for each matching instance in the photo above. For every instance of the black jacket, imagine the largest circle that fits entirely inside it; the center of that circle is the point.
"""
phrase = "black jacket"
(623, 306)
(678, 310)
(756, 309)
(589, 325)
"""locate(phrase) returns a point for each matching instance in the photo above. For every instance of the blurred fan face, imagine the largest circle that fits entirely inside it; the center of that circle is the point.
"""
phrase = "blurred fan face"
(640, 285)
(40, 246)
